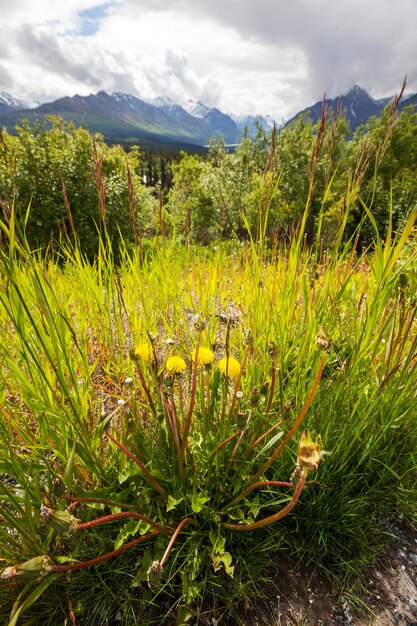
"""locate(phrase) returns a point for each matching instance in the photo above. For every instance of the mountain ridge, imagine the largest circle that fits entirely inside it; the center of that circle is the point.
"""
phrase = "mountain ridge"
(357, 104)
(125, 118)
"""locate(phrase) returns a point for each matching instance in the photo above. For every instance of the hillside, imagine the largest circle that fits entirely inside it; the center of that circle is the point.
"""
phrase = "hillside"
(357, 105)
(125, 119)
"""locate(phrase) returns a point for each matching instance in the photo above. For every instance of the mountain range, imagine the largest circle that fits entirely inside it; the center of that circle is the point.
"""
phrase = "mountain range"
(124, 118)
(358, 106)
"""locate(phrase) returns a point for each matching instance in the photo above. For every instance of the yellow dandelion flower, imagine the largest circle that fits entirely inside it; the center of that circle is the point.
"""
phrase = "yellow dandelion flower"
(175, 365)
(229, 367)
(205, 356)
(145, 352)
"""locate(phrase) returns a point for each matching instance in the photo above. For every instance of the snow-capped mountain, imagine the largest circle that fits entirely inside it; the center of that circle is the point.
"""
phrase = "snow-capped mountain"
(357, 104)
(213, 118)
(196, 109)
(251, 122)
(173, 110)
(9, 103)
(124, 118)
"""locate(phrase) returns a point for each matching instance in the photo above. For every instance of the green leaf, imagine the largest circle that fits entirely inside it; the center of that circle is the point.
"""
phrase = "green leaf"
(133, 527)
(130, 469)
(217, 541)
(141, 574)
(69, 470)
(172, 502)
(223, 560)
(198, 501)
(270, 443)
(184, 615)
(62, 560)
(190, 589)
(31, 599)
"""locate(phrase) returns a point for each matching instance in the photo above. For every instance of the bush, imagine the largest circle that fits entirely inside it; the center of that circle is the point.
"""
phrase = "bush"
(62, 182)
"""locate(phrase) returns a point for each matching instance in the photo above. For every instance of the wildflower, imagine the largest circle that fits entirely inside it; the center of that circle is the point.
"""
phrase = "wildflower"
(154, 573)
(309, 452)
(175, 364)
(199, 322)
(323, 340)
(264, 389)
(205, 356)
(64, 523)
(255, 397)
(38, 566)
(145, 352)
(229, 366)
(45, 513)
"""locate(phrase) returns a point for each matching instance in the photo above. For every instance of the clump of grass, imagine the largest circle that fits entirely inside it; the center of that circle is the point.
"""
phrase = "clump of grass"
(150, 415)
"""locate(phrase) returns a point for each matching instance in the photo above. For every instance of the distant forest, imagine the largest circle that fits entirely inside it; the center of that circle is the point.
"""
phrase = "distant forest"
(62, 181)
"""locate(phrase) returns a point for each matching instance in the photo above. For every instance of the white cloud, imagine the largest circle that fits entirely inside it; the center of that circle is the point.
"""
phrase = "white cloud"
(266, 57)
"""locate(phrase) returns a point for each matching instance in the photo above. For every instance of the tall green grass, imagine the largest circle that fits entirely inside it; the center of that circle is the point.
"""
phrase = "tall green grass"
(92, 430)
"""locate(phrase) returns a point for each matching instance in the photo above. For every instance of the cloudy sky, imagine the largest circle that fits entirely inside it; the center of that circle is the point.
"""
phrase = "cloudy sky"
(249, 56)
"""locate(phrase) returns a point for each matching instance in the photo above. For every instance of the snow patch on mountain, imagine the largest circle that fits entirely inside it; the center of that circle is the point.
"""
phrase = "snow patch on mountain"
(15, 103)
(196, 109)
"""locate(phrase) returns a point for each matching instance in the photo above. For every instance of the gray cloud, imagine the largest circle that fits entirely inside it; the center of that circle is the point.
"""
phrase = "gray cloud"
(5, 79)
(344, 42)
(45, 50)
(269, 56)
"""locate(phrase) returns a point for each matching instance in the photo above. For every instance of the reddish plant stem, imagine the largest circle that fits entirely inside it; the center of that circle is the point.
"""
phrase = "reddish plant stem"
(297, 421)
(146, 390)
(263, 483)
(272, 390)
(135, 459)
(123, 515)
(192, 399)
(260, 439)
(174, 537)
(99, 501)
(181, 395)
(239, 378)
(174, 425)
(103, 557)
(232, 456)
(217, 450)
(172, 419)
(277, 516)
(208, 395)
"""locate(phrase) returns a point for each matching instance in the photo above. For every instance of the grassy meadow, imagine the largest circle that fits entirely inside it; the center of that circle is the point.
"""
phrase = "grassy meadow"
(171, 423)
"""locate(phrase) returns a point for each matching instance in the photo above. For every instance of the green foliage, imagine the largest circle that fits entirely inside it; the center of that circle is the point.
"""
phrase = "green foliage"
(390, 185)
(53, 170)
(303, 175)
(128, 470)
(82, 392)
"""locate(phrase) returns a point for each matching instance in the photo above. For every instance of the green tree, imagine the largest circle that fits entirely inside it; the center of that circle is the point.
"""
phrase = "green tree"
(72, 184)
(190, 205)
(389, 188)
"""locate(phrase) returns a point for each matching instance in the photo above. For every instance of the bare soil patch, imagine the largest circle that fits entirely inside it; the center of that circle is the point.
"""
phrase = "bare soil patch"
(298, 595)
